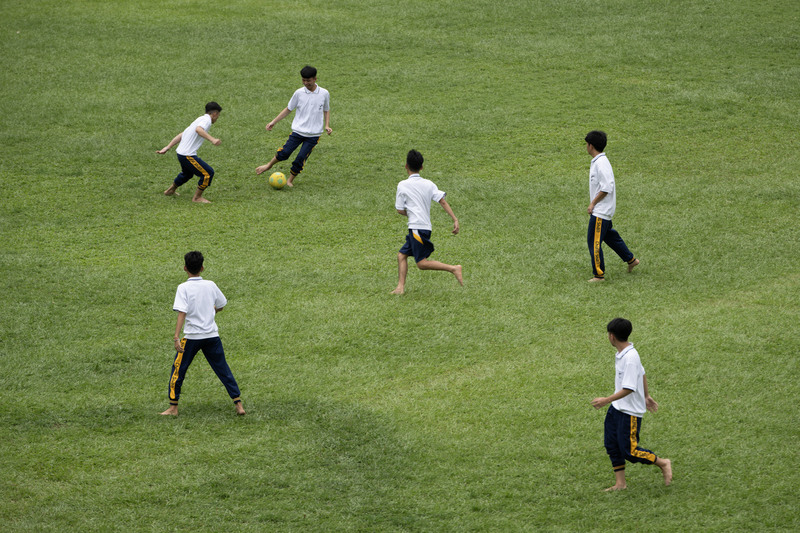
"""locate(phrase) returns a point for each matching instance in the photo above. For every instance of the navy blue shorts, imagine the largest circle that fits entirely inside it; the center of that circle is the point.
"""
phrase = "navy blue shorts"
(418, 243)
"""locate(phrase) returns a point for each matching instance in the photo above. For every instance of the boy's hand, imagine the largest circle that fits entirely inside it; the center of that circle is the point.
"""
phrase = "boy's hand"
(597, 403)
(651, 404)
(162, 151)
(216, 142)
(455, 227)
(178, 347)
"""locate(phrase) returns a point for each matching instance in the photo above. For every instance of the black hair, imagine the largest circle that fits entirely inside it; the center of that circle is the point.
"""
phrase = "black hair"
(308, 72)
(213, 106)
(598, 139)
(414, 161)
(194, 262)
(620, 327)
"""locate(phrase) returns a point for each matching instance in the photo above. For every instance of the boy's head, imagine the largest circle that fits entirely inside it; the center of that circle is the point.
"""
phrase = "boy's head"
(620, 328)
(598, 139)
(213, 109)
(309, 75)
(193, 263)
(414, 161)
(308, 72)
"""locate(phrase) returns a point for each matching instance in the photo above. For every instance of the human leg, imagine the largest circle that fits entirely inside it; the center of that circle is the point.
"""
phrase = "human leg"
(215, 355)
(402, 272)
(613, 239)
(308, 144)
(456, 270)
(206, 174)
(263, 168)
(180, 365)
(615, 454)
(594, 239)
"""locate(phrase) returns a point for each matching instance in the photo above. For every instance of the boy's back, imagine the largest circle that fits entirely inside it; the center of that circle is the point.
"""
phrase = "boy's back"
(415, 195)
(199, 299)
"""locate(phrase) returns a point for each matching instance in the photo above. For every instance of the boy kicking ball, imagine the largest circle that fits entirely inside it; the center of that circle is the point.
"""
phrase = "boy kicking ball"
(628, 405)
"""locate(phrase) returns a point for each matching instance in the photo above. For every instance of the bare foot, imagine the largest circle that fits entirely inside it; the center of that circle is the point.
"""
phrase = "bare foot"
(596, 280)
(239, 408)
(200, 200)
(458, 273)
(666, 469)
(172, 411)
(262, 169)
(631, 265)
(616, 487)
(399, 290)
(173, 190)
(291, 179)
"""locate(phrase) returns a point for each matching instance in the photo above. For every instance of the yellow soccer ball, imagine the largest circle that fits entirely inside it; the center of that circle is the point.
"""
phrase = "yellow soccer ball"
(277, 180)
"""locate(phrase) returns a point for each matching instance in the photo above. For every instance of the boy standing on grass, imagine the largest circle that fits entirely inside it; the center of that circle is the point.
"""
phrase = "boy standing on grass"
(603, 196)
(197, 301)
(313, 104)
(413, 200)
(190, 140)
(628, 405)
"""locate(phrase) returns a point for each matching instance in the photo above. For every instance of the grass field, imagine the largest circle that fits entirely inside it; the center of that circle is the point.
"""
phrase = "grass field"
(446, 409)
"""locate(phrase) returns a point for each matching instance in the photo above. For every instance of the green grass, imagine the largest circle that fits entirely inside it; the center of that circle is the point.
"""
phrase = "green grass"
(447, 409)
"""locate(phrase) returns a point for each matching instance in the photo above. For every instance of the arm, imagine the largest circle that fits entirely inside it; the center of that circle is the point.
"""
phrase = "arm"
(449, 211)
(218, 310)
(597, 403)
(204, 134)
(403, 212)
(172, 143)
(652, 405)
(282, 115)
(178, 328)
(596, 200)
(328, 122)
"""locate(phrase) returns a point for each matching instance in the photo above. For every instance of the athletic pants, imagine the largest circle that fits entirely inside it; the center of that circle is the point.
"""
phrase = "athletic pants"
(191, 165)
(215, 355)
(601, 231)
(622, 439)
(295, 140)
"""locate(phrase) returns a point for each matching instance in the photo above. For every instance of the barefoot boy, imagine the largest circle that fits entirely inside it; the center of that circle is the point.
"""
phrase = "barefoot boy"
(413, 200)
(313, 105)
(628, 404)
(197, 302)
(190, 140)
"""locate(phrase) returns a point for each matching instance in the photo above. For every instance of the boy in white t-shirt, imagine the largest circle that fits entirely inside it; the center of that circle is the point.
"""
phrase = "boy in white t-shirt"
(628, 404)
(413, 200)
(313, 112)
(603, 203)
(190, 141)
(197, 302)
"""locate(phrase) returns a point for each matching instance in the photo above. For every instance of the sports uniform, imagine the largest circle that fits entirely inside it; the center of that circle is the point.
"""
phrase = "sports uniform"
(624, 416)
(200, 299)
(601, 179)
(307, 125)
(414, 195)
(191, 165)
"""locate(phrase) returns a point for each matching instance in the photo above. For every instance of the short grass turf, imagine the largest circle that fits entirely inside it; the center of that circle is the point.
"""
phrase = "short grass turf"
(447, 409)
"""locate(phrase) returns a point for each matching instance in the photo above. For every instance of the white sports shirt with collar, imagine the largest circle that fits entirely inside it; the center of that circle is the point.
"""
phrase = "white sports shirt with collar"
(629, 374)
(414, 195)
(309, 118)
(190, 140)
(601, 178)
(199, 298)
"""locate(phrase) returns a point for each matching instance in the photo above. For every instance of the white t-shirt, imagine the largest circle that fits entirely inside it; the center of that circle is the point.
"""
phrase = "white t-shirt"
(190, 140)
(199, 299)
(309, 120)
(414, 195)
(601, 178)
(630, 375)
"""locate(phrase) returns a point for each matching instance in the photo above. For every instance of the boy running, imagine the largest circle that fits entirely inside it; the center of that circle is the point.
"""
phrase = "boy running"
(413, 200)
